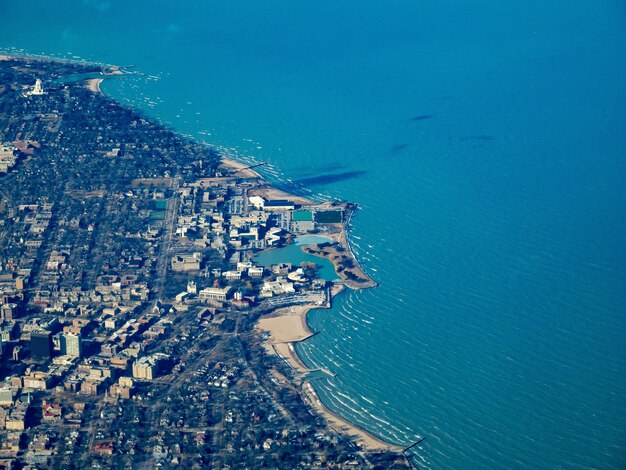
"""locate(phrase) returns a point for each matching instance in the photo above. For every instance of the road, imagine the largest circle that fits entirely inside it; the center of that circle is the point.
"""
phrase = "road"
(165, 250)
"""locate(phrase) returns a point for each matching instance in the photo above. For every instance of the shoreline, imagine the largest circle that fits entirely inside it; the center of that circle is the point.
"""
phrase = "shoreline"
(287, 326)
(295, 329)
(341, 425)
(267, 191)
(347, 265)
(93, 84)
(106, 69)
(240, 167)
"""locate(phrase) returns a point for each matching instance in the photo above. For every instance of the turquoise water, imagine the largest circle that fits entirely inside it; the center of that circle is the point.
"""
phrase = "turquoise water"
(485, 144)
(293, 254)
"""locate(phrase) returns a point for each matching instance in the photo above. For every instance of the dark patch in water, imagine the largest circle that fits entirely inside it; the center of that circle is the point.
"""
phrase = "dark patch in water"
(398, 148)
(327, 179)
(421, 117)
(315, 171)
(480, 138)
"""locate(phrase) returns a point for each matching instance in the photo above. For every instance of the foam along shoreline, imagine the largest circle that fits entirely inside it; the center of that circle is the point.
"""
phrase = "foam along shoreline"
(106, 69)
(114, 70)
(343, 259)
(243, 170)
(266, 191)
(287, 326)
(340, 425)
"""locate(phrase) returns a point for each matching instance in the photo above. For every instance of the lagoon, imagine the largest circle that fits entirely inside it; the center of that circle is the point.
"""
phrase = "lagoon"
(484, 142)
(293, 254)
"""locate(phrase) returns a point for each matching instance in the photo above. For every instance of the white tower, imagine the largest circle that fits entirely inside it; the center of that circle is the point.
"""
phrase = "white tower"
(38, 89)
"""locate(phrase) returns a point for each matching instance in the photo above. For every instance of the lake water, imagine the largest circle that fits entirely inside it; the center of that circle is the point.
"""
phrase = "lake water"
(485, 144)
(293, 254)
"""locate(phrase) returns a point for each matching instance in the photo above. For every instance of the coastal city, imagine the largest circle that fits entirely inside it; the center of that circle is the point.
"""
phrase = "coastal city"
(312, 235)
(137, 328)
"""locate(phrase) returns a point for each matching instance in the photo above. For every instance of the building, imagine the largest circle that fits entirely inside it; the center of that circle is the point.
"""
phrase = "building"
(92, 386)
(243, 265)
(148, 367)
(6, 397)
(278, 205)
(214, 293)
(10, 446)
(37, 381)
(180, 298)
(104, 448)
(187, 262)
(257, 201)
(277, 287)
(123, 389)
(16, 417)
(41, 345)
(37, 89)
(235, 205)
(8, 311)
(51, 411)
(281, 269)
(255, 272)
(7, 157)
(232, 275)
(8, 332)
(71, 344)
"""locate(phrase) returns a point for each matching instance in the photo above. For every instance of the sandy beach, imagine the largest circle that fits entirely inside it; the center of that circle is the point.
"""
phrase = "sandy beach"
(274, 193)
(267, 192)
(287, 326)
(93, 84)
(244, 171)
(363, 438)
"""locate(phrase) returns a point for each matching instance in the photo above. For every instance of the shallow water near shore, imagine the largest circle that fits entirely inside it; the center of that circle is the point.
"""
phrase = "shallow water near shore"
(484, 144)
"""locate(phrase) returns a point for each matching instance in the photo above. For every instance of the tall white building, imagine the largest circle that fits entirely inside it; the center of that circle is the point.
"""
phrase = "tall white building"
(71, 345)
(37, 89)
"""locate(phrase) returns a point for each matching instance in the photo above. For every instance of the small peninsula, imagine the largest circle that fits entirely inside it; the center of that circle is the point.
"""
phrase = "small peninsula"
(137, 330)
